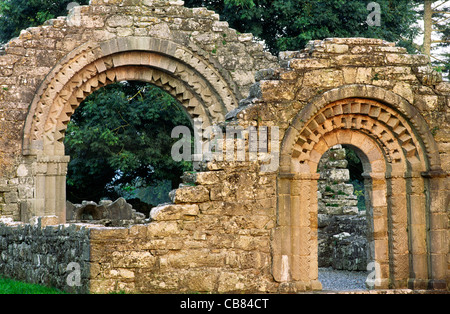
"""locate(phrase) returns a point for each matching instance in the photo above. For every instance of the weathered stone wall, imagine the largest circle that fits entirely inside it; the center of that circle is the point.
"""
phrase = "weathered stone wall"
(190, 53)
(216, 237)
(342, 229)
(42, 254)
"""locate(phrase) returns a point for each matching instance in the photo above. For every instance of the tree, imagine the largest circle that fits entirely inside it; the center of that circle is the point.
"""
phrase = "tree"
(436, 16)
(291, 24)
(436, 20)
(16, 15)
(121, 136)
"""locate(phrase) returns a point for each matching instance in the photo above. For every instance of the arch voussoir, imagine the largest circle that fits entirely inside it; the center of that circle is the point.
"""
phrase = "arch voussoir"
(208, 98)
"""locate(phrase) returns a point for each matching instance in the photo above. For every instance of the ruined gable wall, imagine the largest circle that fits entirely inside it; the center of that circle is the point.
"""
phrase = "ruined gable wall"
(333, 64)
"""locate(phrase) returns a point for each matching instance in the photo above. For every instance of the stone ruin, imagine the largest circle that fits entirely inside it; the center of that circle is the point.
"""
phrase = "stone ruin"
(238, 229)
(342, 227)
(107, 213)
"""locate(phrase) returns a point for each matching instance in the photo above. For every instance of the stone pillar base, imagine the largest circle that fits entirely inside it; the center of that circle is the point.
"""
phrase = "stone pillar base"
(380, 284)
(436, 284)
(418, 284)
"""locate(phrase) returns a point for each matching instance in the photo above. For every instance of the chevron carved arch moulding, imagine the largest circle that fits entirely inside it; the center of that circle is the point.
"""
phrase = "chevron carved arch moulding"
(196, 84)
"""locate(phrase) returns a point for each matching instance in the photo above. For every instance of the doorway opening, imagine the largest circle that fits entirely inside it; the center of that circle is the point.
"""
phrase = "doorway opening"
(342, 224)
(119, 141)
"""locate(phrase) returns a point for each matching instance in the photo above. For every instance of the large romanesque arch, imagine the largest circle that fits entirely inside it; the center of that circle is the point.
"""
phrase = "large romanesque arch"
(51, 69)
(237, 226)
(198, 86)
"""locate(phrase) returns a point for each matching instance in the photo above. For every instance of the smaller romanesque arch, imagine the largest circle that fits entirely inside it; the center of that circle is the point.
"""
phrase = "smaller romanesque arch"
(391, 141)
(391, 109)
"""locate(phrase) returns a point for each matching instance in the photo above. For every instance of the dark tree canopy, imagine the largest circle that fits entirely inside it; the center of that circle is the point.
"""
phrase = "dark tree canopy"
(290, 24)
(16, 15)
(121, 136)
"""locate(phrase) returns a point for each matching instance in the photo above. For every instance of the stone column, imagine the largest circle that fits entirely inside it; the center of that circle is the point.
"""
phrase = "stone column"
(304, 210)
(50, 187)
(377, 213)
(438, 225)
(417, 228)
(281, 246)
(294, 243)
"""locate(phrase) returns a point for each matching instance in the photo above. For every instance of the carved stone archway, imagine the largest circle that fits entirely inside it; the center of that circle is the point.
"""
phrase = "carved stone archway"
(402, 174)
(198, 86)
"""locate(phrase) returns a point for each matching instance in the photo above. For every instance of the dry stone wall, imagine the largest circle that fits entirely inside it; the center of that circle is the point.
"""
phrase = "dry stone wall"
(45, 253)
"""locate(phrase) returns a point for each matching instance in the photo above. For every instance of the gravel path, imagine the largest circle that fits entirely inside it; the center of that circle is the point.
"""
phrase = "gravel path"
(340, 280)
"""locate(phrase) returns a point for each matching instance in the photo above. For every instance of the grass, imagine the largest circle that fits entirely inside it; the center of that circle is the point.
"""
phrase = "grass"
(8, 286)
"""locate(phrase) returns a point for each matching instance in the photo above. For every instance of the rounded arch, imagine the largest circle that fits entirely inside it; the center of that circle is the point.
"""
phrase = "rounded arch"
(393, 109)
(198, 84)
(352, 117)
(399, 150)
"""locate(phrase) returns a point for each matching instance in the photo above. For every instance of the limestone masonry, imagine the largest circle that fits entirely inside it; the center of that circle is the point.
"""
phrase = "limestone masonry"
(234, 228)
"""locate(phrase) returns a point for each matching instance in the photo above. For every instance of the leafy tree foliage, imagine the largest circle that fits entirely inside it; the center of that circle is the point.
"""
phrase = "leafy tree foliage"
(290, 24)
(16, 15)
(121, 136)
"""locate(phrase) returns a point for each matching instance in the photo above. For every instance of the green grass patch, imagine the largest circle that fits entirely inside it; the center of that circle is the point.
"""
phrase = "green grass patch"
(9, 286)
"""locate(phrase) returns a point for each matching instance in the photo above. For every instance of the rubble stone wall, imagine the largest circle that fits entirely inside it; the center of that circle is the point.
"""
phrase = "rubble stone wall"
(45, 253)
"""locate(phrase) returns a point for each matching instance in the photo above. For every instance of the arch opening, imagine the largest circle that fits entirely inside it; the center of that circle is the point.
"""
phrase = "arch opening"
(393, 159)
(198, 86)
(119, 141)
(193, 81)
(343, 246)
